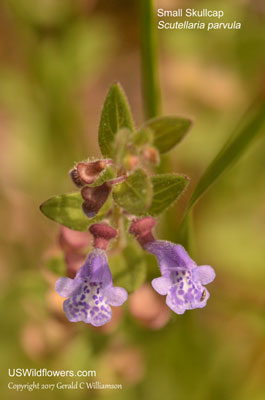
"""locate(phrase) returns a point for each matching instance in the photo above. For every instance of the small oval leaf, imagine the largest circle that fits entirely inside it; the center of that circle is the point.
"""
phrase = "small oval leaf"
(168, 131)
(115, 116)
(135, 194)
(166, 190)
(66, 209)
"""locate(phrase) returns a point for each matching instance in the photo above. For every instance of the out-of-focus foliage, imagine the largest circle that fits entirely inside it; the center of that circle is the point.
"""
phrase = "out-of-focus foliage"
(57, 59)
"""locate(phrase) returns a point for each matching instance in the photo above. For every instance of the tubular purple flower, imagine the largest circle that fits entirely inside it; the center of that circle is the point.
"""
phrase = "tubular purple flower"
(91, 293)
(182, 280)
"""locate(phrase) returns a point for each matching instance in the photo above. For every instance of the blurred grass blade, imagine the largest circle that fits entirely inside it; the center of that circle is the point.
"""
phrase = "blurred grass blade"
(149, 58)
(115, 115)
(167, 131)
(251, 126)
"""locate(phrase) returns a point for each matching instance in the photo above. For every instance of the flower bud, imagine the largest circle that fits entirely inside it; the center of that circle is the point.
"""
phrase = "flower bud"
(94, 197)
(142, 229)
(151, 155)
(102, 234)
(131, 162)
(70, 240)
(85, 173)
(73, 260)
(148, 307)
(76, 178)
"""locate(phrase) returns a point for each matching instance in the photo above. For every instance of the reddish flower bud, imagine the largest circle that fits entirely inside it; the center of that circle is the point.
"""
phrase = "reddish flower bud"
(76, 178)
(155, 313)
(74, 261)
(151, 155)
(85, 173)
(73, 240)
(142, 229)
(131, 162)
(102, 234)
(95, 198)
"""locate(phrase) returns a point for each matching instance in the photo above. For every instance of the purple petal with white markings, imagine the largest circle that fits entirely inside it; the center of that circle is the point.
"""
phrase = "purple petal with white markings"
(204, 273)
(91, 292)
(65, 287)
(116, 296)
(161, 285)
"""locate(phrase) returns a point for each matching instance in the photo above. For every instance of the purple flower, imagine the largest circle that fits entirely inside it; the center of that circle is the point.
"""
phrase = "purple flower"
(91, 293)
(182, 280)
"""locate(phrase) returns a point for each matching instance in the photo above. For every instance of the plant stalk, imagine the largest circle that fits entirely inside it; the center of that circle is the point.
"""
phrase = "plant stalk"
(149, 59)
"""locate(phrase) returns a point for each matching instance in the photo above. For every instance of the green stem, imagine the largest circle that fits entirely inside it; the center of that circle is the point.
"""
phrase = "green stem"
(118, 223)
(149, 59)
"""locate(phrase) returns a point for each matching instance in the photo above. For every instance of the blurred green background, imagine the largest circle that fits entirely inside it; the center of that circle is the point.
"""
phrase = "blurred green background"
(57, 60)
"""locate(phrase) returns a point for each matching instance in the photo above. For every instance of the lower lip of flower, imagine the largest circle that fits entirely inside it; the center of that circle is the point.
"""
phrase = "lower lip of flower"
(185, 291)
(89, 302)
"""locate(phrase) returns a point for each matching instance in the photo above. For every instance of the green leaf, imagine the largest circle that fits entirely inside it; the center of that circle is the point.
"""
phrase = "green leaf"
(120, 145)
(115, 116)
(128, 268)
(135, 194)
(166, 190)
(168, 131)
(252, 124)
(143, 137)
(66, 209)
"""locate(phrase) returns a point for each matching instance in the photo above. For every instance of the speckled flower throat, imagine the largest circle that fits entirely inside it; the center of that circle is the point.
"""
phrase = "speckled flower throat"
(88, 305)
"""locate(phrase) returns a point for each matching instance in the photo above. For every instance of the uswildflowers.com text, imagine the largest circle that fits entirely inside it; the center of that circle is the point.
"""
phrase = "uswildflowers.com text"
(31, 372)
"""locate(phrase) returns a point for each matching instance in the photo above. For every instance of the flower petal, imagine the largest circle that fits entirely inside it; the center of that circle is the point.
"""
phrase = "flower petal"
(88, 304)
(202, 303)
(177, 308)
(75, 313)
(65, 287)
(99, 317)
(96, 268)
(181, 257)
(161, 285)
(116, 296)
(204, 274)
(169, 255)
